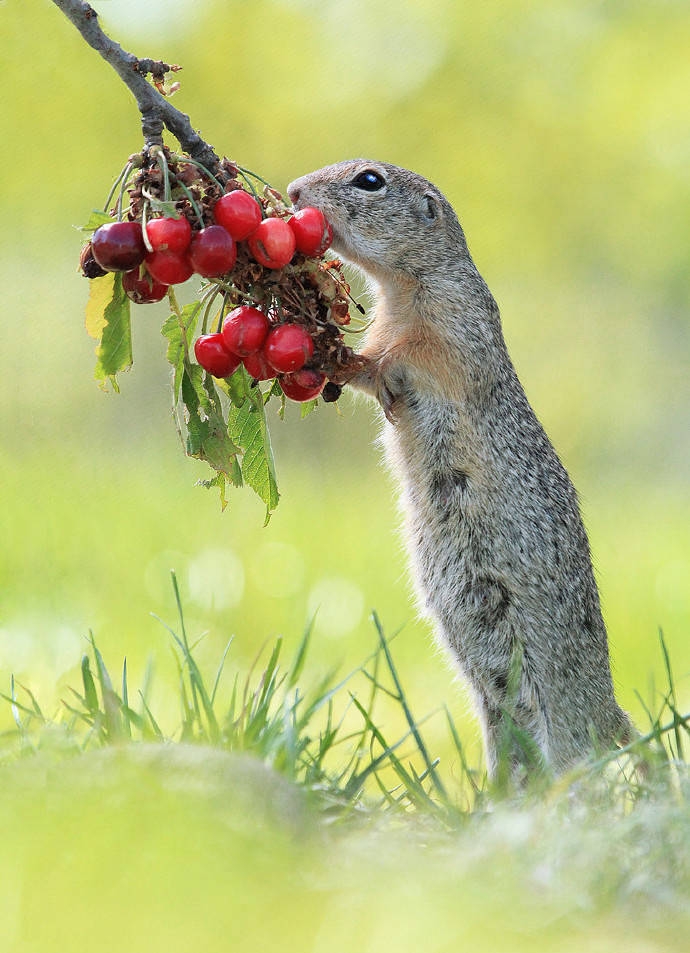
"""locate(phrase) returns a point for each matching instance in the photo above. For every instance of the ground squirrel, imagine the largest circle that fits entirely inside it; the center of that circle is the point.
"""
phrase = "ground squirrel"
(499, 551)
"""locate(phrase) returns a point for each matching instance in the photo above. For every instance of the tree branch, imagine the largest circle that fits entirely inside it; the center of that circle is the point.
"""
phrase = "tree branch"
(156, 111)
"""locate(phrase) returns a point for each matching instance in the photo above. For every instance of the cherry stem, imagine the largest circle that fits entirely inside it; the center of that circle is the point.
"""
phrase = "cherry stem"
(348, 329)
(198, 165)
(192, 201)
(254, 175)
(123, 185)
(144, 230)
(162, 162)
(177, 311)
(230, 290)
(251, 187)
(123, 176)
(223, 306)
(209, 294)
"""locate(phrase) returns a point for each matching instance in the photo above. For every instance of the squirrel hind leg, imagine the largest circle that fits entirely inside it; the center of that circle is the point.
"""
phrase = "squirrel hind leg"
(574, 742)
(514, 742)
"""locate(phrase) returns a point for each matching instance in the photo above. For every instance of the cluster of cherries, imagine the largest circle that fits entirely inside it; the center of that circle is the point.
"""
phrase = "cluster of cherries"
(167, 251)
(247, 337)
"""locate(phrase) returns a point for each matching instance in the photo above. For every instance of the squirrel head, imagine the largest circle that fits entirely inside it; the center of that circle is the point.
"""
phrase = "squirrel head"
(386, 220)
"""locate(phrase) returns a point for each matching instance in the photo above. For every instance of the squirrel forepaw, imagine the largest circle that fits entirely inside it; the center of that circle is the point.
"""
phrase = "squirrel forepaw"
(381, 381)
(392, 386)
(387, 399)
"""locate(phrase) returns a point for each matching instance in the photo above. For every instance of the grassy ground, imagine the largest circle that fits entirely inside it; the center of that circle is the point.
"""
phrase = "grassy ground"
(271, 816)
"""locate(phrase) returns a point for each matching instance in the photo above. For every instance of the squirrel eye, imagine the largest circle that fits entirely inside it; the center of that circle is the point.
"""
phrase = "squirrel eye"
(369, 181)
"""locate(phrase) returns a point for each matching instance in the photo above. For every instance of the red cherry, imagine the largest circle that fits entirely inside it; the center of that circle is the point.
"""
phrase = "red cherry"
(245, 330)
(304, 384)
(214, 357)
(272, 243)
(288, 347)
(313, 234)
(168, 267)
(238, 213)
(141, 287)
(118, 246)
(212, 252)
(258, 367)
(169, 234)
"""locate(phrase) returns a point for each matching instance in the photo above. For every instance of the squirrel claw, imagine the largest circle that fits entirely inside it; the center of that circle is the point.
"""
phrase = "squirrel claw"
(387, 401)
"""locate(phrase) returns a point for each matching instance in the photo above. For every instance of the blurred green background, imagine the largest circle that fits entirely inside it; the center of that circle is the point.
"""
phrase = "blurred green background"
(561, 133)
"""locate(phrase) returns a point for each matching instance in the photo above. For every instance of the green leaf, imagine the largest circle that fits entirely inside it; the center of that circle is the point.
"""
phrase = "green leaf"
(207, 433)
(307, 408)
(95, 220)
(275, 390)
(238, 387)
(164, 208)
(247, 428)
(179, 329)
(236, 475)
(219, 481)
(239, 449)
(107, 320)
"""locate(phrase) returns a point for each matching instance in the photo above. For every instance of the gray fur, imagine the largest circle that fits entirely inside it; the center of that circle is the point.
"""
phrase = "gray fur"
(499, 551)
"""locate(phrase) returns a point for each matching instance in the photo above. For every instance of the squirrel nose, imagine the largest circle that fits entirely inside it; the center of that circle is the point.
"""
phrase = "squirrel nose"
(294, 192)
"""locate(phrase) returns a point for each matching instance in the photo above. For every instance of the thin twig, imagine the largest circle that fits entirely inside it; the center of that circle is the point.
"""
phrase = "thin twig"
(156, 111)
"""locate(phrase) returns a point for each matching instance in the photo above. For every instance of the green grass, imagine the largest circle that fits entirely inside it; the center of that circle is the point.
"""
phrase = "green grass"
(326, 739)
(269, 815)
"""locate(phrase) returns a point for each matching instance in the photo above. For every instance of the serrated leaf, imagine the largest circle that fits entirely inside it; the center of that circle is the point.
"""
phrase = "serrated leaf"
(179, 330)
(236, 475)
(194, 400)
(107, 319)
(209, 436)
(95, 220)
(207, 433)
(308, 407)
(275, 390)
(247, 428)
(238, 386)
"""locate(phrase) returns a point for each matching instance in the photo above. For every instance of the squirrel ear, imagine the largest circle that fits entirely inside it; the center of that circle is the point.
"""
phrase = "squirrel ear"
(431, 209)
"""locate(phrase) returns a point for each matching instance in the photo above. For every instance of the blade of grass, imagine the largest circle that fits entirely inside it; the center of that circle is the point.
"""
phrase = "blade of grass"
(438, 784)
(298, 661)
(219, 671)
(199, 694)
(90, 699)
(157, 733)
(466, 770)
(127, 712)
(387, 754)
(111, 701)
(673, 703)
